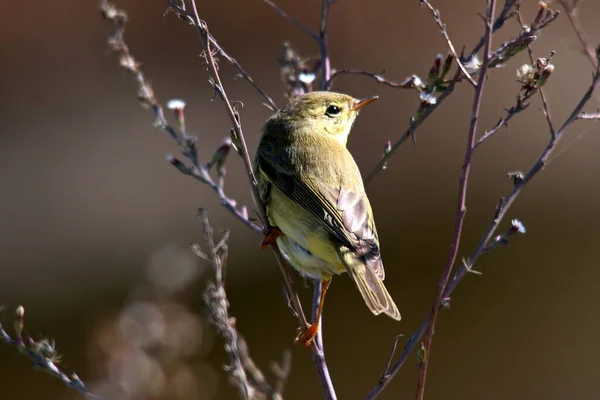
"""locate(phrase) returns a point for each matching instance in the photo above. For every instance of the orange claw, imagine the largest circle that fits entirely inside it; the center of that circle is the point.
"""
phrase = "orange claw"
(306, 336)
(271, 234)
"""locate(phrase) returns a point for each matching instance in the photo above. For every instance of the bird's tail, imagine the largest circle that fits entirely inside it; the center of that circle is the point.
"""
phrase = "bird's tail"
(374, 293)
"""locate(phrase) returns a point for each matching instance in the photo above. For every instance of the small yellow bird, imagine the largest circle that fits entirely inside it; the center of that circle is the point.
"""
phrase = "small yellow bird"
(316, 201)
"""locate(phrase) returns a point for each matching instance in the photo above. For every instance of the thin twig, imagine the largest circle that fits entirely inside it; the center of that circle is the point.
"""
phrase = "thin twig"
(215, 298)
(238, 136)
(499, 214)
(323, 45)
(408, 83)
(546, 109)
(43, 354)
(413, 125)
(510, 113)
(462, 198)
(506, 14)
(590, 116)
(436, 16)
(242, 72)
(571, 8)
(148, 99)
(504, 52)
(293, 20)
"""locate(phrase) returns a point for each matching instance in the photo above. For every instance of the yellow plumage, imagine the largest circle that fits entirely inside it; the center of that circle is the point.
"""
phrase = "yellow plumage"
(314, 194)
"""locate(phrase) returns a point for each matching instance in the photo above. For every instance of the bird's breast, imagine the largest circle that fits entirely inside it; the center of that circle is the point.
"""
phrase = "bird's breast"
(303, 229)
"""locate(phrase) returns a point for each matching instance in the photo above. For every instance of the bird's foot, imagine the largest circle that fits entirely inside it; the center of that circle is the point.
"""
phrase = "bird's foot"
(306, 336)
(271, 234)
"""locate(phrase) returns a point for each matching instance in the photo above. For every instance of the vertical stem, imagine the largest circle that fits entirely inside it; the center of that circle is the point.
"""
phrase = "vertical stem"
(325, 62)
(318, 352)
(462, 208)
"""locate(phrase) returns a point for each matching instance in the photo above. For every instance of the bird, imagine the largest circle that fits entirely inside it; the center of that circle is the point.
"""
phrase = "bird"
(315, 199)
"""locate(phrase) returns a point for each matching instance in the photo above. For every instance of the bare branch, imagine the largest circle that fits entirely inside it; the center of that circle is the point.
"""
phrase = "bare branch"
(242, 366)
(462, 198)
(546, 110)
(293, 20)
(414, 123)
(571, 7)
(436, 16)
(148, 99)
(43, 354)
(239, 141)
(409, 83)
(589, 116)
(520, 180)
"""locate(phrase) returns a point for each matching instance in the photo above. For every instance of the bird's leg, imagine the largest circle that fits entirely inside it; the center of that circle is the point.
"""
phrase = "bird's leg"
(271, 234)
(306, 336)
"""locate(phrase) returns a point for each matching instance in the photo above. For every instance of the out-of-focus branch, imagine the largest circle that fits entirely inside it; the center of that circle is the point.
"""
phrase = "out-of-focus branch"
(462, 205)
(571, 7)
(43, 353)
(242, 370)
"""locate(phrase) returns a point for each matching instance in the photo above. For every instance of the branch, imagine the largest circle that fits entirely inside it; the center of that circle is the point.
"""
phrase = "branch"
(546, 109)
(503, 53)
(589, 116)
(488, 241)
(148, 99)
(414, 123)
(412, 82)
(571, 10)
(188, 143)
(532, 79)
(291, 19)
(325, 62)
(320, 38)
(462, 198)
(242, 366)
(436, 16)
(43, 354)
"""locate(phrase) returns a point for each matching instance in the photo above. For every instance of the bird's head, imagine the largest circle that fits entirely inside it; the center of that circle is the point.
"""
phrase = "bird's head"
(326, 113)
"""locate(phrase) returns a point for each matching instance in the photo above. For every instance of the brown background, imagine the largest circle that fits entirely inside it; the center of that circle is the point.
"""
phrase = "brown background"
(88, 200)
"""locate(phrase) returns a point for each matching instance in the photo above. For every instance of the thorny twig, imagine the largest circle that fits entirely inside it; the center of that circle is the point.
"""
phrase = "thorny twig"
(488, 241)
(242, 366)
(462, 198)
(43, 353)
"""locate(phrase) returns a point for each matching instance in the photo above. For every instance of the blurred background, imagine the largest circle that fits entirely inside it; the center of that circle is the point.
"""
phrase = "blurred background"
(96, 224)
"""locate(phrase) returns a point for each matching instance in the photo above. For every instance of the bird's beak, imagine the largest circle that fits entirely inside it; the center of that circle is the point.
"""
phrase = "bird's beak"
(360, 103)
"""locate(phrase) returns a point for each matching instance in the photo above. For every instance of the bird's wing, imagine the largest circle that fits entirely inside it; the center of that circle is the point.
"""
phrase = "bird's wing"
(345, 213)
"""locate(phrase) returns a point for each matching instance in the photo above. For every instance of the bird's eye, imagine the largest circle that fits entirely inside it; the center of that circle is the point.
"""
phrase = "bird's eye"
(332, 111)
